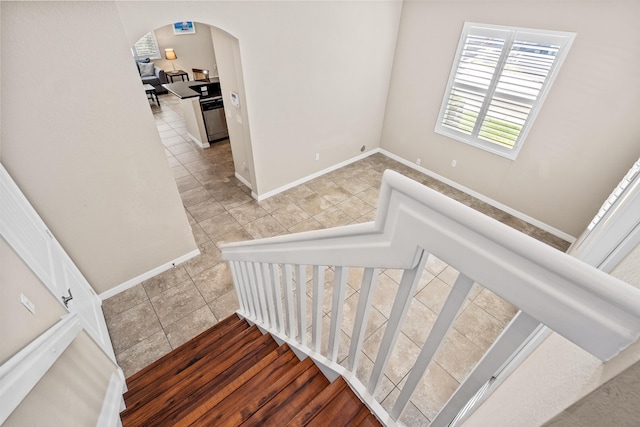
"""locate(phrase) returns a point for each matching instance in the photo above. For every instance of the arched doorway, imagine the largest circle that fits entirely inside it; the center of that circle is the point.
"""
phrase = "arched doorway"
(212, 49)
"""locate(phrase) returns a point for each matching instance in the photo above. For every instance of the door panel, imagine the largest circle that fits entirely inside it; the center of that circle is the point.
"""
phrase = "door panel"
(25, 231)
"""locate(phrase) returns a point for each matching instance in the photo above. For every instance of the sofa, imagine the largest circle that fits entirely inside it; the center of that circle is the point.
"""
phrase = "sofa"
(150, 74)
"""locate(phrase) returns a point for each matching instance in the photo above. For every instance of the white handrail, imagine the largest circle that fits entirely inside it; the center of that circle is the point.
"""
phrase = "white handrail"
(594, 310)
(21, 373)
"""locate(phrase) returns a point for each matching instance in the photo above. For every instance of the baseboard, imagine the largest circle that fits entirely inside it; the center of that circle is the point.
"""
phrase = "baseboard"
(244, 181)
(198, 142)
(148, 275)
(495, 204)
(261, 197)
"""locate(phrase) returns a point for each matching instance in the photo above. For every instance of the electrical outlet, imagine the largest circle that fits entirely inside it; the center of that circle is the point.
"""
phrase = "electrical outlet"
(453, 163)
(317, 156)
(418, 161)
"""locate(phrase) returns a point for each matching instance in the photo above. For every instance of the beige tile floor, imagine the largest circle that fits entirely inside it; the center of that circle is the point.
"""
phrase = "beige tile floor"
(154, 317)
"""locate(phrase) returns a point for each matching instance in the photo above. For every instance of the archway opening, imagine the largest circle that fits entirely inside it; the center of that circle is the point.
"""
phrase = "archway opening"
(175, 51)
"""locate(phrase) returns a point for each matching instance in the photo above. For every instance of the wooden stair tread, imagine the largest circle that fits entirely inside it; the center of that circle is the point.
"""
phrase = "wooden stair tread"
(243, 386)
(206, 372)
(256, 392)
(233, 375)
(318, 402)
(171, 361)
(345, 409)
(192, 366)
(189, 399)
(370, 421)
(291, 399)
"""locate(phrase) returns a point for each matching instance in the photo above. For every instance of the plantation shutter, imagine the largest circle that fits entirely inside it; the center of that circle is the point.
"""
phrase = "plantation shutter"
(146, 47)
(480, 57)
(499, 78)
(524, 73)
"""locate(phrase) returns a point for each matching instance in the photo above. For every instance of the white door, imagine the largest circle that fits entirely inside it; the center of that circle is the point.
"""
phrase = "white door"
(25, 231)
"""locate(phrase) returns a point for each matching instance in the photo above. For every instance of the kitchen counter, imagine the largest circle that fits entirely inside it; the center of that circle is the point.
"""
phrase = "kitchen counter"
(190, 94)
(184, 90)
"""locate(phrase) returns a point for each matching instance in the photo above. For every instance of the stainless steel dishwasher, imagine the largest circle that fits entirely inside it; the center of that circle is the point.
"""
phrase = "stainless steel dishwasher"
(214, 119)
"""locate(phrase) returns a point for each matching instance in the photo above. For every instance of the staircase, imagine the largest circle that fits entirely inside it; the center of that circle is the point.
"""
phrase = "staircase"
(232, 375)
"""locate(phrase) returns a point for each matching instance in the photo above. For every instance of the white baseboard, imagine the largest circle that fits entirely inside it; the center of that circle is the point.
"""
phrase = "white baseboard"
(148, 275)
(495, 204)
(112, 403)
(198, 142)
(244, 181)
(261, 197)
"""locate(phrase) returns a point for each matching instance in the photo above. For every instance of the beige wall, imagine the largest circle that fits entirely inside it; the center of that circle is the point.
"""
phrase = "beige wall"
(557, 375)
(231, 80)
(18, 326)
(80, 141)
(71, 392)
(193, 50)
(629, 268)
(614, 403)
(586, 136)
(315, 74)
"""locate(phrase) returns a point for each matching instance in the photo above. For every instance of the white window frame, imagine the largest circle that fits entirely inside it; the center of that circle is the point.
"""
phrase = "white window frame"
(563, 39)
(155, 55)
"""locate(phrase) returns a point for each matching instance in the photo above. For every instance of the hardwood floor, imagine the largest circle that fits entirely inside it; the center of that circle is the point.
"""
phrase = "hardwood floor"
(232, 375)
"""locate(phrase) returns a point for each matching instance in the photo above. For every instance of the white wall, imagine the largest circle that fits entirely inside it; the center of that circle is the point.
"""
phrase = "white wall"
(192, 50)
(17, 279)
(79, 139)
(71, 392)
(231, 80)
(315, 74)
(586, 136)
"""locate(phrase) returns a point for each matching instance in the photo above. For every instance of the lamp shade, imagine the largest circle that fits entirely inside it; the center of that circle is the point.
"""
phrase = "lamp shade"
(170, 54)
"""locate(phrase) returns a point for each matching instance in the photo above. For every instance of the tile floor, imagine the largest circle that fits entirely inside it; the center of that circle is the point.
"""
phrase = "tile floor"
(154, 317)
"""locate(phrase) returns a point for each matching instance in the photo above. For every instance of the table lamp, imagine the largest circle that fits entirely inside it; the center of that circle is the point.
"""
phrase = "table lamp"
(171, 56)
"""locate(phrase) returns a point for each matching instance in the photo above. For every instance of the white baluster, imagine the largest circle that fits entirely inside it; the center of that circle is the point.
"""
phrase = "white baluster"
(250, 290)
(339, 289)
(317, 303)
(445, 319)
(239, 285)
(406, 290)
(277, 289)
(257, 275)
(268, 288)
(288, 299)
(367, 288)
(514, 335)
(301, 291)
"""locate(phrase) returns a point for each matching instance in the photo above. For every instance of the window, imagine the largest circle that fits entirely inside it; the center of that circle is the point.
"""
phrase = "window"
(633, 174)
(498, 81)
(146, 47)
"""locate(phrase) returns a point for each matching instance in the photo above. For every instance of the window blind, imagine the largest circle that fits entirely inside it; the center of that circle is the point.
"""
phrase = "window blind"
(479, 60)
(498, 80)
(146, 47)
(525, 70)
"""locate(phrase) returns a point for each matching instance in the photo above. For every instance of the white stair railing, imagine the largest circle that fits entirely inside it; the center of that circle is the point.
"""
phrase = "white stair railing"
(594, 310)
